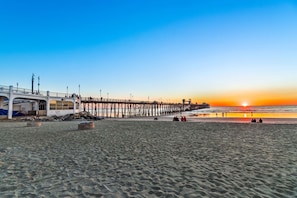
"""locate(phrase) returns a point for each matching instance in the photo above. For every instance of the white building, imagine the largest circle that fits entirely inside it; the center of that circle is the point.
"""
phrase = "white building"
(17, 100)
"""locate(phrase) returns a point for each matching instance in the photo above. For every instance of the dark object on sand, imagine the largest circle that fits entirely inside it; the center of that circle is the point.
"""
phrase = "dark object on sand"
(253, 120)
(175, 118)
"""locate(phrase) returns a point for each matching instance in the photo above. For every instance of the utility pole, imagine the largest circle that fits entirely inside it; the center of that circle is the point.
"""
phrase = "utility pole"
(38, 83)
(33, 83)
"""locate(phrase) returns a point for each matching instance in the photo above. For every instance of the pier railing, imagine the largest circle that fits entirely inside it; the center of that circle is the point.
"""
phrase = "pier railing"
(6, 89)
(111, 100)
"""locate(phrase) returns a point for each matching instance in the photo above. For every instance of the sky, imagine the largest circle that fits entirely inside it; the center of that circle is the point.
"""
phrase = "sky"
(223, 52)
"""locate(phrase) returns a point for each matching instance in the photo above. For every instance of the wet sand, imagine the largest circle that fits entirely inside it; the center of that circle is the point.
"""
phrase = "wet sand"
(148, 159)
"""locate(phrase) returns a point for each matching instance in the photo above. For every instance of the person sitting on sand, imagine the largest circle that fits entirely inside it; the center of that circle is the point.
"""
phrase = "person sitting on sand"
(175, 118)
(253, 120)
(183, 119)
(260, 120)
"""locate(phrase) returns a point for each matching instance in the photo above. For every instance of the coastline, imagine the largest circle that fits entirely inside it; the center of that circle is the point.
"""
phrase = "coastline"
(166, 118)
(149, 159)
(247, 120)
(211, 119)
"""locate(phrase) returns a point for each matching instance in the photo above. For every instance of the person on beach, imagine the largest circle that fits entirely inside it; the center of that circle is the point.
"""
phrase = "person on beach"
(175, 118)
(260, 120)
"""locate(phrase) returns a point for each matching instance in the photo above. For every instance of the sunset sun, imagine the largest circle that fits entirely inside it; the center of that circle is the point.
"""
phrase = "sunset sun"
(244, 104)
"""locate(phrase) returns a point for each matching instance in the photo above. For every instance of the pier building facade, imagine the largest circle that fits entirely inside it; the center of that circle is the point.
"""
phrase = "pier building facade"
(18, 101)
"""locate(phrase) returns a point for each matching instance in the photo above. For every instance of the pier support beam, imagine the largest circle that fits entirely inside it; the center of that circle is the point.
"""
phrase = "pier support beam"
(1, 102)
(74, 105)
(10, 103)
(35, 106)
(48, 101)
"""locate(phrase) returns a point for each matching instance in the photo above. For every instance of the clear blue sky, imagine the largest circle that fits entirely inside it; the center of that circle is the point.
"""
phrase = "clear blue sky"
(164, 49)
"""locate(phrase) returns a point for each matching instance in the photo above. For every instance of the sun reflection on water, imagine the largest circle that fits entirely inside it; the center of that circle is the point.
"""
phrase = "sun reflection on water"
(247, 112)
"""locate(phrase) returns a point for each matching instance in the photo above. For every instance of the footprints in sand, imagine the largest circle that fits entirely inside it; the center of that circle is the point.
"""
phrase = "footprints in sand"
(149, 159)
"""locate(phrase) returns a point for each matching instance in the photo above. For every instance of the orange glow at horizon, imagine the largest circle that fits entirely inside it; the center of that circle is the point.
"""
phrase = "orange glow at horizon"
(251, 98)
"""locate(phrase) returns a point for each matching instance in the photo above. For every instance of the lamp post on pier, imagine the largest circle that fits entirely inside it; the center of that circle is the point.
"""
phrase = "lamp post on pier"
(38, 83)
(79, 90)
(32, 83)
(131, 97)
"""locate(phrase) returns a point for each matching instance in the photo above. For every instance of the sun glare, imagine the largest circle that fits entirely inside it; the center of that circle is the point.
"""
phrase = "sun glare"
(244, 104)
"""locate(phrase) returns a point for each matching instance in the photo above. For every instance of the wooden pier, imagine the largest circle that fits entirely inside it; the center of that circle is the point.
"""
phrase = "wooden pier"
(15, 100)
(114, 108)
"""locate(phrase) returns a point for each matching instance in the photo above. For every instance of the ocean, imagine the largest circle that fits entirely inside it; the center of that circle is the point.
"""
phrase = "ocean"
(271, 113)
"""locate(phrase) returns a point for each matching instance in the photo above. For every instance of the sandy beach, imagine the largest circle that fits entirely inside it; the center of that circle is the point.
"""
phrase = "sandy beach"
(148, 159)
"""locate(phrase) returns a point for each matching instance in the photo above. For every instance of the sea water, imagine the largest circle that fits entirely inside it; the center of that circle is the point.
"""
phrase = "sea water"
(249, 112)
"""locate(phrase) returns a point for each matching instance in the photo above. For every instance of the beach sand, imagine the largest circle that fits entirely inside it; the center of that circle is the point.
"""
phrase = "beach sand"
(148, 159)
